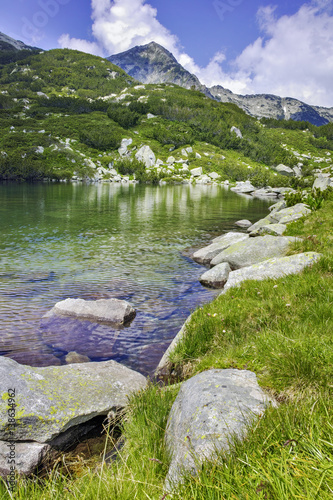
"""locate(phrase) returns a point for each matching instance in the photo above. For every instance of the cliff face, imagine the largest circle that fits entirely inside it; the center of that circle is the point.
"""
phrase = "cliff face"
(152, 63)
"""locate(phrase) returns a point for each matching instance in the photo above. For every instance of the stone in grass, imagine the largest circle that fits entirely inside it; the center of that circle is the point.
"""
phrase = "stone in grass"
(209, 410)
(272, 268)
(104, 310)
(206, 254)
(216, 277)
(243, 223)
(53, 399)
(254, 250)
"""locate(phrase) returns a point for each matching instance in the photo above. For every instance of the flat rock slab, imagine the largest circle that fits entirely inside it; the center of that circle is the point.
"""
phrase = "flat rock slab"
(104, 310)
(206, 254)
(53, 399)
(216, 277)
(209, 409)
(254, 250)
(272, 268)
(291, 214)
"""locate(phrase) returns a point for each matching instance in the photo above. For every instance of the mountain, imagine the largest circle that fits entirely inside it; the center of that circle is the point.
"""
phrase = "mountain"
(152, 63)
(272, 106)
(8, 43)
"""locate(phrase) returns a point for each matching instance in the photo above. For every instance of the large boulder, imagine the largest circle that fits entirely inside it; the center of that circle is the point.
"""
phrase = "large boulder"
(273, 229)
(272, 268)
(147, 156)
(284, 170)
(243, 187)
(216, 277)
(206, 254)
(209, 410)
(50, 400)
(124, 145)
(107, 310)
(254, 250)
(196, 172)
(260, 223)
(291, 214)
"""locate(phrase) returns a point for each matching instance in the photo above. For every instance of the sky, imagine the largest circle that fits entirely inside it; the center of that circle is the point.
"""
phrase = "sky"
(281, 47)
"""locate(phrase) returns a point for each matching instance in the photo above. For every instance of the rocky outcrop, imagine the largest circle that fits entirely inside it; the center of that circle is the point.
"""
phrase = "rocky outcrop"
(147, 156)
(209, 410)
(206, 254)
(53, 400)
(104, 310)
(272, 268)
(254, 250)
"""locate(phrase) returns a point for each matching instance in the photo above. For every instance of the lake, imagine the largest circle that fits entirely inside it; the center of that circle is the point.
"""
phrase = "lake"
(130, 242)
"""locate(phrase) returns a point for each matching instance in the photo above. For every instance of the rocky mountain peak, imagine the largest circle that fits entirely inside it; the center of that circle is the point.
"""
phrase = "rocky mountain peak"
(8, 43)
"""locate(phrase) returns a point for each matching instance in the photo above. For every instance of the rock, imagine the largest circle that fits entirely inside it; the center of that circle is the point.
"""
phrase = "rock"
(273, 229)
(162, 370)
(189, 149)
(264, 193)
(75, 357)
(124, 145)
(210, 408)
(260, 223)
(277, 206)
(150, 116)
(27, 457)
(243, 223)
(214, 175)
(184, 152)
(322, 183)
(171, 160)
(284, 170)
(291, 214)
(146, 155)
(206, 254)
(198, 156)
(109, 310)
(243, 187)
(53, 399)
(254, 250)
(236, 131)
(272, 268)
(40, 149)
(216, 277)
(297, 171)
(196, 172)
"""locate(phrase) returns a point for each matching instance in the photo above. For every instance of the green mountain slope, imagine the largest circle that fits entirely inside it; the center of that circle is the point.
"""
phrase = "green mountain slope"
(64, 114)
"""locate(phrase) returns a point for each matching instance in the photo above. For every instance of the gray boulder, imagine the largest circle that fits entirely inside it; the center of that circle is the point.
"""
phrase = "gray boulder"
(206, 254)
(53, 399)
(322, 183)
(243, 223)
(254, 250)
(147, 156)
(108, 310)
(209, 410)
(124, 145)
(273, 229)
(272, 268)
(260, 223)
(27, 457)
(214, 175)
(279, 205)
(291, 214)
(196, 172)
(216, 277)
(284, 170)
(243, 187)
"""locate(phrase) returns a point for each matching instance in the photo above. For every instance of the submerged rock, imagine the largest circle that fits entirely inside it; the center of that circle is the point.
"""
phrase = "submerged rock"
(109, 310)
(210, 408)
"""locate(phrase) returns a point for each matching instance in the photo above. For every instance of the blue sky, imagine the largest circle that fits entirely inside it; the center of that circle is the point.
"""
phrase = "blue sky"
(249, 46)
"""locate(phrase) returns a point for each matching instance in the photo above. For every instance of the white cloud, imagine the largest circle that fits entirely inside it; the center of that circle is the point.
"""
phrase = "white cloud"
(292, 57)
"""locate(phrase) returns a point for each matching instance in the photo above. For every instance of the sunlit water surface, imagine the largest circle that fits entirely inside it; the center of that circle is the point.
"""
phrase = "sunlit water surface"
(101, 241)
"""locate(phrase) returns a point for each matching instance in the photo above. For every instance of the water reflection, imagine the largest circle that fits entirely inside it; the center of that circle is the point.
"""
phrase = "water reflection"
(101, 241)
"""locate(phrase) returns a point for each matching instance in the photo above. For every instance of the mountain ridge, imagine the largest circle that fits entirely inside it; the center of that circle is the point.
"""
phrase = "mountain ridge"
(152, 63)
